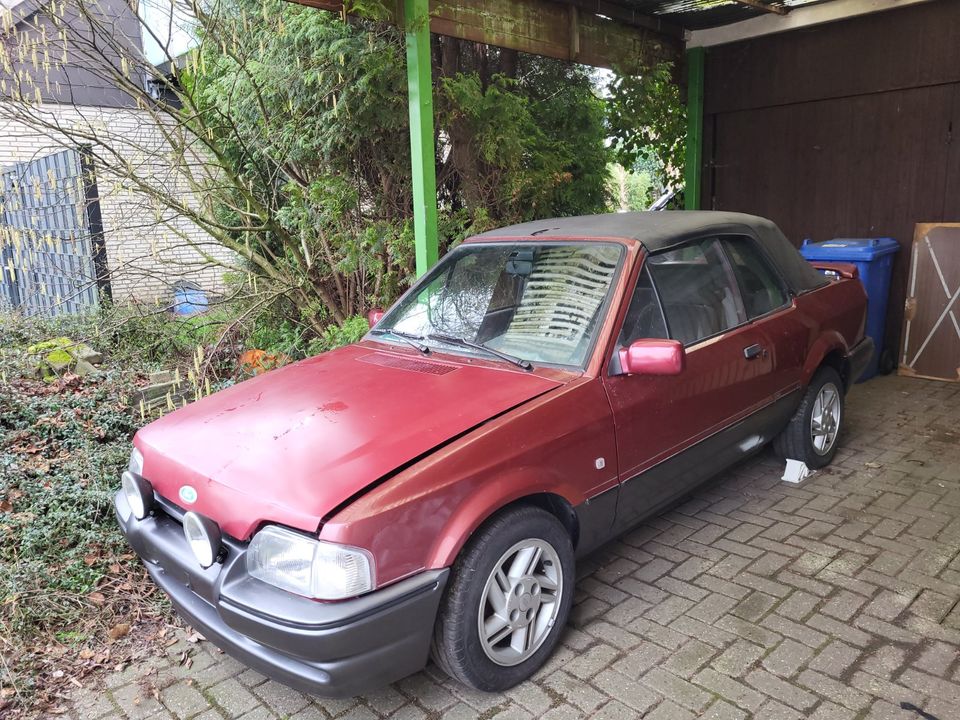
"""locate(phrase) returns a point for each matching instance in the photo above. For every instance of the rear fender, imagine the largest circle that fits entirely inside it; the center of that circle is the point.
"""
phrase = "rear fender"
(828, 342)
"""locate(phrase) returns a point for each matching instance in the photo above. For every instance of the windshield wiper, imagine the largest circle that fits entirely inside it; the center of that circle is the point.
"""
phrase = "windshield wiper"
(411, 340)
(463, 342)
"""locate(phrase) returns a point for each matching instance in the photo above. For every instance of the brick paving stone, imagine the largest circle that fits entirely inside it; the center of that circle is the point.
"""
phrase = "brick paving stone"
(754, 606)
(135, 703)
(722, 710)
(670, 584)
(829, 711)
(183, 700)
(262, 713)
(671, 686)
(749, 631)
(575, 692)
(844, 605)
(784, 626)
(729, 689)
(668, 610)
(214, 714)
(280, 698)
(773, 710)
(232, 697)
(709, 634)
(798, 605)
(787, 658)
(838, 630)
(737, 658)
(626, 690)
(613, 710)
(834, 690)
(937, 658)
(786, 692)
(669, 711)
(712, 607)
(689, 658)
(407, 712)
(589, 663)
(932, 605)
(91, 704)
(835, 659)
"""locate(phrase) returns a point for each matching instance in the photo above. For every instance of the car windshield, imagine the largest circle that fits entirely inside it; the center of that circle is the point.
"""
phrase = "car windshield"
(540, 303)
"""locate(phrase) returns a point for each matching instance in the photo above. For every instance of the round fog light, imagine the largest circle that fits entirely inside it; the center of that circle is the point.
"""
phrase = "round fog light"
(203, 536)
(138, 493)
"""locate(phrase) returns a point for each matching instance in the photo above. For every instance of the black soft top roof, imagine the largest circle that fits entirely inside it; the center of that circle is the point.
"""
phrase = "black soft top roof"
(658, 231)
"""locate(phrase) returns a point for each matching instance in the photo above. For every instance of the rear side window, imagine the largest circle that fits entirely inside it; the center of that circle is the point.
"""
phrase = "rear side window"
(697, 290)
(760, 287)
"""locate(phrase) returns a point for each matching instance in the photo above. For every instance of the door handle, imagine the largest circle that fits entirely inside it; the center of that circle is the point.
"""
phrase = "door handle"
(753, 352)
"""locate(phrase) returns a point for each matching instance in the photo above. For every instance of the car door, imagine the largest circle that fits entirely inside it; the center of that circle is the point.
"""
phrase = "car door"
(674, 431)
(769, 306)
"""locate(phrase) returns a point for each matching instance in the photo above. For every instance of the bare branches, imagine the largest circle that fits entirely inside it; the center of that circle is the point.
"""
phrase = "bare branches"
(217, 153)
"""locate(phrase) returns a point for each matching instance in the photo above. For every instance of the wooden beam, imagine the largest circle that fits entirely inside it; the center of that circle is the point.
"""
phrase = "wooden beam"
(627, 16)
(765, 6)
(800, 17)
(545, 27)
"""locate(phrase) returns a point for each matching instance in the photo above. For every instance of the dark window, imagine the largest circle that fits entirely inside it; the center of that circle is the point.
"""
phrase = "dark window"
(697, 290)
(644, 318)
(760, 288)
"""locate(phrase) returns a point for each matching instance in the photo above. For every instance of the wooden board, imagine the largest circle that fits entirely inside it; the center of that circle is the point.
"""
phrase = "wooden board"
(931, 317)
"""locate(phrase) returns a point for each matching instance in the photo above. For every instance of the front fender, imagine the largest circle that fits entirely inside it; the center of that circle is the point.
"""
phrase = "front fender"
(421, 518)
(491, 497)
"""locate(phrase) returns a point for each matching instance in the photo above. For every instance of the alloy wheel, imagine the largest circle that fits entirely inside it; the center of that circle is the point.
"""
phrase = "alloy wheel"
(520, 602)
(825, 419)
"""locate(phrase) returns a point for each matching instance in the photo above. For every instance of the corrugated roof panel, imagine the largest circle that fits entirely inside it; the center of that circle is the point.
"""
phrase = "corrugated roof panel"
(700, 14)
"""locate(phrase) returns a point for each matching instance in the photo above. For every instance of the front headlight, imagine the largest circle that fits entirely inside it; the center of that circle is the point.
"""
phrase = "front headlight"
(136, 462)
(313, 568)
(137, 491)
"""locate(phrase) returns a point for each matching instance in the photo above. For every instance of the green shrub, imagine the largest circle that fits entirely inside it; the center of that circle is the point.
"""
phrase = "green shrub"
(335, 336)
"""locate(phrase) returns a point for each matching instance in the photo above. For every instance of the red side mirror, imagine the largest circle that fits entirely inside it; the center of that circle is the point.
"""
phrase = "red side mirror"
(375, 315)
(653, 357)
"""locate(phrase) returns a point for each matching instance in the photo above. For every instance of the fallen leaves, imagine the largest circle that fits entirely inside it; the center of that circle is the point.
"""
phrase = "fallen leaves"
(118, 631)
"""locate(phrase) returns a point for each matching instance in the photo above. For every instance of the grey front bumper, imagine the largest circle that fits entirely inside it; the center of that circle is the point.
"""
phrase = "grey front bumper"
(331, 649)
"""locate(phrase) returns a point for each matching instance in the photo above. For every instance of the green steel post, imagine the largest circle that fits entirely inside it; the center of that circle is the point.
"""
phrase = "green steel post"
(694, 162)
(422, 154)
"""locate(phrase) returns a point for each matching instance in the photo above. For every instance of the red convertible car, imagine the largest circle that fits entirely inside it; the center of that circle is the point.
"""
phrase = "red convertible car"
(425, 492)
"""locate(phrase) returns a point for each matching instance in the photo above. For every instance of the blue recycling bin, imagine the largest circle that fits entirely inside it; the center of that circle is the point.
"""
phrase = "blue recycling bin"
(874, 260)
(189, 299)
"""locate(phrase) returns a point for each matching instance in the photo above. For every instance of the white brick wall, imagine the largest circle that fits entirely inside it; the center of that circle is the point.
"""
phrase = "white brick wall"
(145, 255)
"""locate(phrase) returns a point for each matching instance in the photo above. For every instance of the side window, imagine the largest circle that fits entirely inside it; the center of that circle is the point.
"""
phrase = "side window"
(760, 288)
(698, 291)
(644, 318)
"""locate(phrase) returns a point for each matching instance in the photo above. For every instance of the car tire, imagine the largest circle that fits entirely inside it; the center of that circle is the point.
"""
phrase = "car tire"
(814, 430)
(524, 618)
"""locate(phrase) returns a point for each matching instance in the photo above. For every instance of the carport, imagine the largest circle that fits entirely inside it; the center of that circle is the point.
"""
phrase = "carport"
(834, 118)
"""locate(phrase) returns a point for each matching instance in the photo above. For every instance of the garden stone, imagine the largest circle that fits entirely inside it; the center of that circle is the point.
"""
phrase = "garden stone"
(84, 368)
(84, 352)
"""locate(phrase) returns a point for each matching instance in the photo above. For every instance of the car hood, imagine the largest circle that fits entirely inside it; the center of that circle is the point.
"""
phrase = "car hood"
(291, 445)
